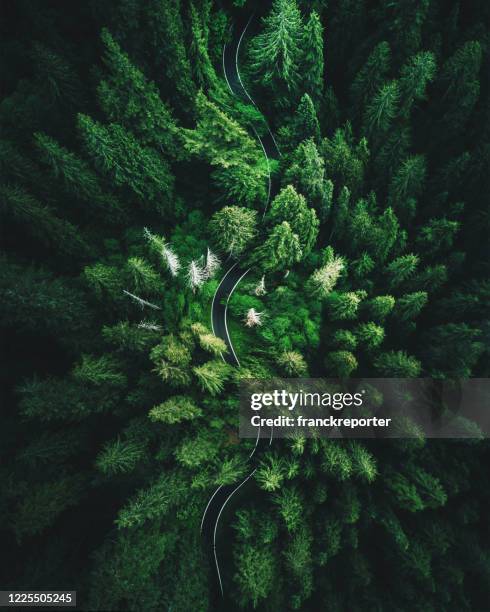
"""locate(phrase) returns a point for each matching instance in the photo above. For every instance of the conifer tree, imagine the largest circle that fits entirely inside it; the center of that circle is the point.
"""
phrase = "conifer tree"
(280, 250)
(397, 364)
(415, 75)
(233, 228)
(307, 175)
(79, 179)
(129, 99)
(118, 154)
(381, 110)
(41, 222)
(291, 207)
(340, 363)
(277, 49)
(401, 269)
(241, 170)
(312, 64)
(166, 23)
(371, 77)
(460, 86)
(175, 410)
(293, 363)
(304, 124)
(324, 279)
(409, 306)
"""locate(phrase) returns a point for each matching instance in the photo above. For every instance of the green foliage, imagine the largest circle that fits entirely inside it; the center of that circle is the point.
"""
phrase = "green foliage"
(312, 64)
(292, 363)
(241, 171)
(175, 410)
(281, 249)
(118, 154)
(366, 246)
(343, 306)
(276, 52)
(340, 363)
(291, 207)
(119, 457)
(397, 364)
(212, 376)
(307, 174)
(127, 98)
(233, 229)
(44, 502)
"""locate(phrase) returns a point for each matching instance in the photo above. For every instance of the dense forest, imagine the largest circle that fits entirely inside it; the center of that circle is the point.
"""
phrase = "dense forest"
(131, 176)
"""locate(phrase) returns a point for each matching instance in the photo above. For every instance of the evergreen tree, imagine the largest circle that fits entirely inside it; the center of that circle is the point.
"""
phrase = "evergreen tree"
(303, 125)
(291, 207)
(280, 250)
(415, 75)
(241, 169)
(397, 364)
(408, 306)
(381, 110)
(277, 49)
(307, 174)
(79, 179)
(371, 77)
(129, 99)
(233, 229)
(118, 154)
(312, 64)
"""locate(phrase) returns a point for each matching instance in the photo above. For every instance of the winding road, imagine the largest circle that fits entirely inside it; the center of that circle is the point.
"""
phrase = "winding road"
(219, 308)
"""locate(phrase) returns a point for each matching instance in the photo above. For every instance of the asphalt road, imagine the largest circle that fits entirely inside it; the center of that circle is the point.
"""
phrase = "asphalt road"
(223, 494)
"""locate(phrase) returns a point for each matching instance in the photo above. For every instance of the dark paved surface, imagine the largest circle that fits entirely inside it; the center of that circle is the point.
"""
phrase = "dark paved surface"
(222, 495)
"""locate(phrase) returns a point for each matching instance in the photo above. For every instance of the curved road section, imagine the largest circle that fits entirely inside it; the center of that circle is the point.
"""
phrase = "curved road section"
(234, 274)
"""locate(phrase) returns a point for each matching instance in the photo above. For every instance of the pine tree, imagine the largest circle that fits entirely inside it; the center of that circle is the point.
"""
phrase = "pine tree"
(291, 207)
(127, 98)
(166, 23)
(397, 364)
(256, 570)
(303, 125)
(176, 409)
(312, 64)
(381, 110)
(293, 363)
(371, 77)
(307, 174)
(369, 335)
(79, 179)
(233, 229)
(406, 185)
(345, 159)
(454, 346)
(119, 457)
(460, 87)
(212, 376)
(324, 279)
(280, 250)
(415, 75)
(340, 363)
(409, 306)
(241, 170)
(42, 222)
(277, 49)
(200, 60)
(405, 19)
(343, 306)
(44, 502)
(401, 269)
(118, 154)
(344, 339)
